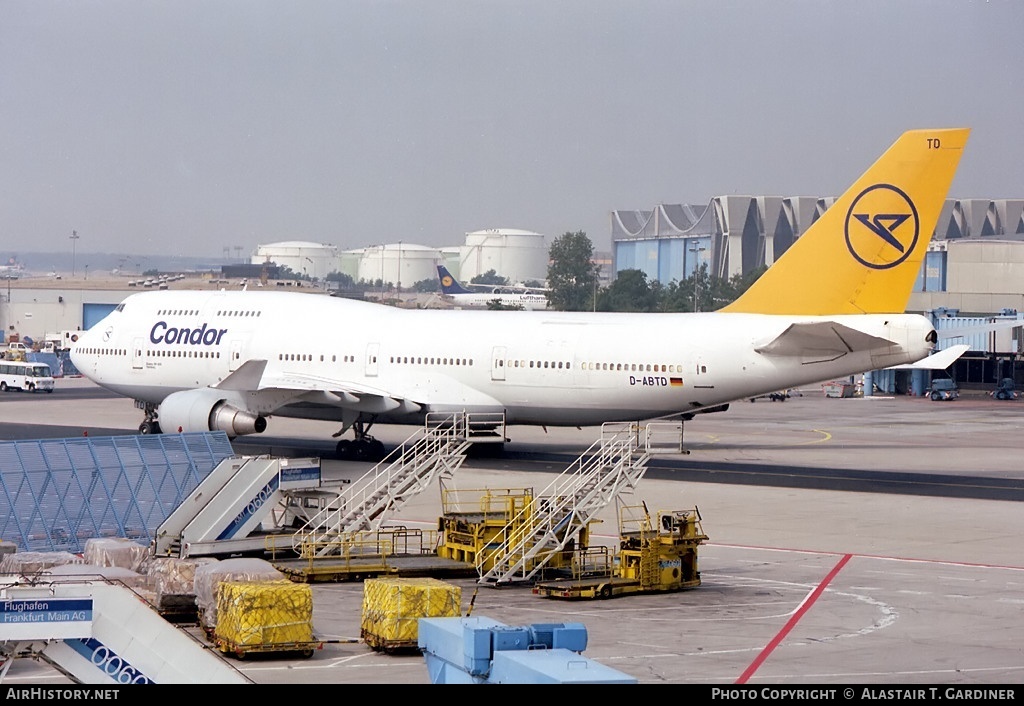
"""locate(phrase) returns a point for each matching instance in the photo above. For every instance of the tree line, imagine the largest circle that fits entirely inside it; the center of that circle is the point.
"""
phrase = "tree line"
(574, 284)
(574, 281)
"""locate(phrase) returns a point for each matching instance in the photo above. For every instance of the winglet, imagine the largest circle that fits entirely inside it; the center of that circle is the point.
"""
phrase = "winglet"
(865, 252)
(449, 285)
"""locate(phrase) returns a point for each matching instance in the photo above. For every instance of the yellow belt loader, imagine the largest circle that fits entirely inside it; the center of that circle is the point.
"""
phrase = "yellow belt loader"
(653, 557)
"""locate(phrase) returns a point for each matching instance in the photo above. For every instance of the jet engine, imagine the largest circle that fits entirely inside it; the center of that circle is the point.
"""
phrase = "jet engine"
(208, 410)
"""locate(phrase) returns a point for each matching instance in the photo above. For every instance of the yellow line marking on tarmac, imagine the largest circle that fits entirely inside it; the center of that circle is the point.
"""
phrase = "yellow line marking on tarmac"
(825, 436)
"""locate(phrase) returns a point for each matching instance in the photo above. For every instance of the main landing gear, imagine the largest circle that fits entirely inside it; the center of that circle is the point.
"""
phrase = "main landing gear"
(363, 448)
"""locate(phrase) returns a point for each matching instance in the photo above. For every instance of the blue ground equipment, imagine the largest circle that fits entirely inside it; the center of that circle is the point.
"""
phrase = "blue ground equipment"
(478, 650)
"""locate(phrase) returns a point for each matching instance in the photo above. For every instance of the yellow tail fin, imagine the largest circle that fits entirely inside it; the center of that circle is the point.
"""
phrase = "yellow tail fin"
(864, 253)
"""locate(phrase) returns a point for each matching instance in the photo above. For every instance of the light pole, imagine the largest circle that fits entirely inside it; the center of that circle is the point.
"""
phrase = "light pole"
(74, 238)
(696, 249)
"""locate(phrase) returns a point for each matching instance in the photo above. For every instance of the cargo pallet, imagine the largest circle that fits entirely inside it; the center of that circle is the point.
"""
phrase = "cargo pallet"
(659, 557)
(178, 608)
(303, 649)
(389, 646)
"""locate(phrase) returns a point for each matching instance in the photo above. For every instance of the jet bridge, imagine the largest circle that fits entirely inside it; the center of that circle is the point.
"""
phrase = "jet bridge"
(97, 632)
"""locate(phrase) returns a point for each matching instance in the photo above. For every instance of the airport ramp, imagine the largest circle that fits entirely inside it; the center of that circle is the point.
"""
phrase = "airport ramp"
(96, 632)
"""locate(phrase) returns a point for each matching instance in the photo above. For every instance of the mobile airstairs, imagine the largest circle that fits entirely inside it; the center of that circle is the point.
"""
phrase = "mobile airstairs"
(231, 510)
(101, 632)
(282, 506)
(434, 453)
(552, 520)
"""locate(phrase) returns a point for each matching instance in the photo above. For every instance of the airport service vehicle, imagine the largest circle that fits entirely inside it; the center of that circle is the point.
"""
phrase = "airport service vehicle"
(16, 350)
(1005, 390)
(24, 375)
(654, 556)
(943, 389)
(777, 396)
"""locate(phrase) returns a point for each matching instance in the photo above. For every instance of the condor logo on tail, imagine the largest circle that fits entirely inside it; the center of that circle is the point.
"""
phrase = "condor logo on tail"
(882, 227)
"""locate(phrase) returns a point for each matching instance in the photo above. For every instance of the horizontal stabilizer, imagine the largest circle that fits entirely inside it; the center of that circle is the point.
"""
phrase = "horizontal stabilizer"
(821, 338)
(937, 361)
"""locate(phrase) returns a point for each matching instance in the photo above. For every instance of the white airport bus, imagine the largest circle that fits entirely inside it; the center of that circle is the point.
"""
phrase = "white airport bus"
(23, 375)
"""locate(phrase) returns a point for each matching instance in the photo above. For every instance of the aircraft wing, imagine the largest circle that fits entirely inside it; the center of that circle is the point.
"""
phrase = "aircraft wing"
(821, 340)
(314, 389)
(936, 361)
(339, 393)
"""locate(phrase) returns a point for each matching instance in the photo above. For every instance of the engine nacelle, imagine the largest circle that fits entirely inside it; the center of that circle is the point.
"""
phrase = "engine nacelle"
(208, 410)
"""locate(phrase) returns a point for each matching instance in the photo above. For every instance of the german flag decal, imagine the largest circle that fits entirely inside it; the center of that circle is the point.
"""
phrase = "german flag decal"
(676, 382)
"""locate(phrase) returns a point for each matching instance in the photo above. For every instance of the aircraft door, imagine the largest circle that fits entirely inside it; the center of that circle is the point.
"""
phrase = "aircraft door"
(372, 351)
(235, 355)
(498, 358)
(137, 352)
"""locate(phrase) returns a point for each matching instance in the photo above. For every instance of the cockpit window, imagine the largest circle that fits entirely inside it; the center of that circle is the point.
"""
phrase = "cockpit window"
(120, 307)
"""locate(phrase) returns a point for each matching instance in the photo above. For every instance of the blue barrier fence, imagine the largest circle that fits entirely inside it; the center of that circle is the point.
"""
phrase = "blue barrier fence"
(57, 493)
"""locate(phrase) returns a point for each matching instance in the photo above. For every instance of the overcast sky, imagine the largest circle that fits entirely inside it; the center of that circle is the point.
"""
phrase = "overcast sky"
(189, 126)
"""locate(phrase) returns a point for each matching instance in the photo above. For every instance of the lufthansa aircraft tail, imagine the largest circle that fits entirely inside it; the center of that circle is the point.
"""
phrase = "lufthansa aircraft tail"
(450, 285)
(865, 252)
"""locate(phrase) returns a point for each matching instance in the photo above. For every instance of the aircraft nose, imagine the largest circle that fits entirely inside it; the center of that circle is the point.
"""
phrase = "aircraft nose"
(76, 354)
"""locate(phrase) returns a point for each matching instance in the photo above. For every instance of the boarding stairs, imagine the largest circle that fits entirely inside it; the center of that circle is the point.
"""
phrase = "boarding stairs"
(435, 451)
(97, 631)
(552, 520)
(229, 511)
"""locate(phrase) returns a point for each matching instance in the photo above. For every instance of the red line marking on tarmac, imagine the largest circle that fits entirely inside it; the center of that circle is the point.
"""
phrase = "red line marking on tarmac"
(791, 623)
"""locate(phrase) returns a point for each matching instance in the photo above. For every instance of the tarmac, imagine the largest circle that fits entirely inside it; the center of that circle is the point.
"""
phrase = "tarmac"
(859, 541)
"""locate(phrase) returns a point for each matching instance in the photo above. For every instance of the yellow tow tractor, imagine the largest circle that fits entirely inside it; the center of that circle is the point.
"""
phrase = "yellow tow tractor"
(653, 557)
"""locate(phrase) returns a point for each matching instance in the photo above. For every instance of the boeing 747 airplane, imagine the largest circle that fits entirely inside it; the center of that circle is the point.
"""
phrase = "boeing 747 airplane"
(462, 297)
(832, 306)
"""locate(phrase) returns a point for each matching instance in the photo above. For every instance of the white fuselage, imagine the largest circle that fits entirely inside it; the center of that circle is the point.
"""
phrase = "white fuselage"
(550, 368)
